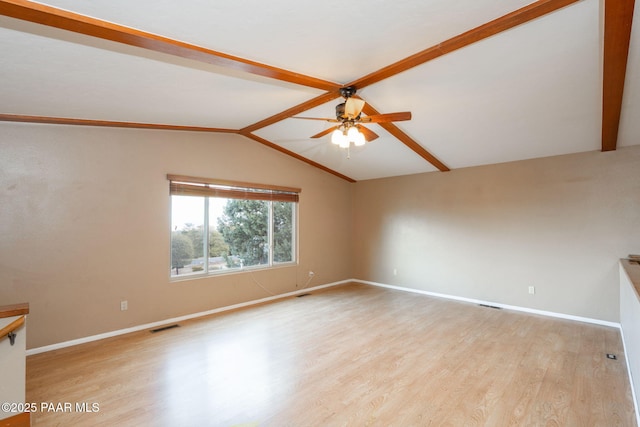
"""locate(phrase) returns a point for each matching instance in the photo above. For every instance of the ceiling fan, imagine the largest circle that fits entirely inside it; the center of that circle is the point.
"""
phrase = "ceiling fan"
(350, 119)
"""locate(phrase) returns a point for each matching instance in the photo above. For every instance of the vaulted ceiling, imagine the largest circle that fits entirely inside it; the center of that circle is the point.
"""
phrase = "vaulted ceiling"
(486, 81)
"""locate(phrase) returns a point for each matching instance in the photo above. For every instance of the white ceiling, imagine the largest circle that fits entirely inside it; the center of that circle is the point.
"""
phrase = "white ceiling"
(531, 91)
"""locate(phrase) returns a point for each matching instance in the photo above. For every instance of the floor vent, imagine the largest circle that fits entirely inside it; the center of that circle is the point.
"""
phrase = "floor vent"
(302, 295)
(164, 328)
(490, 306)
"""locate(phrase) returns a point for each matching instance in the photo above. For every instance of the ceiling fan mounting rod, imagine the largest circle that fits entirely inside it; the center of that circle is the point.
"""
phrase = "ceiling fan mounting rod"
(348, 92)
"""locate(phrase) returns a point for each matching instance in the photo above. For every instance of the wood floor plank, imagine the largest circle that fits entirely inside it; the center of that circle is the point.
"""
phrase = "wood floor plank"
(352, 355)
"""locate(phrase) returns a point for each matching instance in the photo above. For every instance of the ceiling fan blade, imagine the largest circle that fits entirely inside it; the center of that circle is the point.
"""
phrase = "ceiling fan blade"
(369, 135)
(324, 132)
(385, 118)
(317, 118)
(353, 107)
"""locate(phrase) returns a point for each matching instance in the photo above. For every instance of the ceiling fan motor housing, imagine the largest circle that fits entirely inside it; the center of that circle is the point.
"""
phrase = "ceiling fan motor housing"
(348, 92)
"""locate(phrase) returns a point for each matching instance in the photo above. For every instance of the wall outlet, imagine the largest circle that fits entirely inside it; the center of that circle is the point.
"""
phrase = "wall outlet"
(395, 271)
(532, 290)
(124, 305)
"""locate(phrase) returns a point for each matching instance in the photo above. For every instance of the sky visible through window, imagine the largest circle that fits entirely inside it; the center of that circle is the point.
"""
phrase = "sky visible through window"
(189, 210)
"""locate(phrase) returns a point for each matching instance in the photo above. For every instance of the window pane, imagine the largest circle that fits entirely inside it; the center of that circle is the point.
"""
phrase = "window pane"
(244, 227)
(219, 250)
(283, 231)
(187, 235)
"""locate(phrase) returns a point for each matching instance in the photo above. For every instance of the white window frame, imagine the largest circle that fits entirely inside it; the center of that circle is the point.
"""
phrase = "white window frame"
(212, 188)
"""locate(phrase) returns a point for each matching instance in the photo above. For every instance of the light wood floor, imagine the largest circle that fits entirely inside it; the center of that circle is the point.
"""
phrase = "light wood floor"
(348, 356)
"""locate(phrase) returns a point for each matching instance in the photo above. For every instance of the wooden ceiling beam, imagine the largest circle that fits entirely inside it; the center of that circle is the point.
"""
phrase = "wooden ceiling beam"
(307, 105)
(406, 139)
(106, 123)
(508, 21)
(296, 156)
(53, 17)
(618, 17)
(153, 126)
(81, 24)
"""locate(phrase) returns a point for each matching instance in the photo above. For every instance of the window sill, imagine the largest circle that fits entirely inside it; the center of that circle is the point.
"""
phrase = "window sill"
(230, 271)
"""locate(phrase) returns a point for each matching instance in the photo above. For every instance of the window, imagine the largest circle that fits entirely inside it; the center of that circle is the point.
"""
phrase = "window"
(222, 226)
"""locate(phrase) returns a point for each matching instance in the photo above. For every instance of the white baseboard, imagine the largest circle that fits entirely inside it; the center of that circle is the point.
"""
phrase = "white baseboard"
(495, 304)
(176, 319)
(298, 292)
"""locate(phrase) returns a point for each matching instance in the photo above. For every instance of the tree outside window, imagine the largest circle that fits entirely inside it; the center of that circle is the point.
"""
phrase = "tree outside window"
(235, 233)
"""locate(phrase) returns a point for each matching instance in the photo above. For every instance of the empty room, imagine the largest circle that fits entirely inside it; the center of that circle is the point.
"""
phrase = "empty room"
(409, 213)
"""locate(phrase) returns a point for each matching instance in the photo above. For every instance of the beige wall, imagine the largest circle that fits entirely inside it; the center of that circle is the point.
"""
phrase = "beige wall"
(488, 233)
(84, 223)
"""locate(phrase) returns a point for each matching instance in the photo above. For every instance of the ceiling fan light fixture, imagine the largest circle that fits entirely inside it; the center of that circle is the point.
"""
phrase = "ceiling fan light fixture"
(348, 116)
(352, 134)
(337, 136)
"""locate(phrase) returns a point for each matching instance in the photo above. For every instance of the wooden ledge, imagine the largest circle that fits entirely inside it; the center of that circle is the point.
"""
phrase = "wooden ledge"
(21, 420)
(14, 310)
(633, 271)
